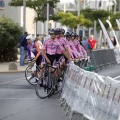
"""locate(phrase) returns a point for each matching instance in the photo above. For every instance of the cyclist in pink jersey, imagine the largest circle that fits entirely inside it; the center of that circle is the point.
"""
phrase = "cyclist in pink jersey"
(62, 32)
(50, 48)
(72, 48)
(79, 48)
(62, 42)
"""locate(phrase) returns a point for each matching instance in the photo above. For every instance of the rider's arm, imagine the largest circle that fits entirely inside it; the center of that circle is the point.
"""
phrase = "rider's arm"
(67, 48)
(75, 52)
(44, 55)
(38, 50)
(43, 50)
(82, 51)
(64, 52)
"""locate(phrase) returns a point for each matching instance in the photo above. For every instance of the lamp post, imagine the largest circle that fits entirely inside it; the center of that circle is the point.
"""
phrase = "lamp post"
(78, 9)
(47, 19)
(119, 5)
(24, 15)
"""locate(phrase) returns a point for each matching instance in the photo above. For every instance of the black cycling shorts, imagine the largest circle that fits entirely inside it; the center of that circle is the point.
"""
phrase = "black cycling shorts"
(38, 60)
(52, 58)
(58, 56)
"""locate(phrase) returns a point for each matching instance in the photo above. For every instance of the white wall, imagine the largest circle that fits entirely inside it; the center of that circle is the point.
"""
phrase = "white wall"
(16, 14)
(12, 12)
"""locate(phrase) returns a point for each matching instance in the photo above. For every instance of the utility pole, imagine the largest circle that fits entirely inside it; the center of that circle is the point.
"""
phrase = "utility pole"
(109, 5)
(119, 5)
(64, 6)
(47, 19)
(95, 35)
(24, 16)
(78, 9)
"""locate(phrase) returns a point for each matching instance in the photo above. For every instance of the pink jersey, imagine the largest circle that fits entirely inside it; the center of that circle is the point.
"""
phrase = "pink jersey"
(52, 47)
(73, 49)
(63, 43)
(80, 49)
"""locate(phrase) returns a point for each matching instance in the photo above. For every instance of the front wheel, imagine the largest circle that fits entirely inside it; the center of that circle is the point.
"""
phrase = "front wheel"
(44, 91)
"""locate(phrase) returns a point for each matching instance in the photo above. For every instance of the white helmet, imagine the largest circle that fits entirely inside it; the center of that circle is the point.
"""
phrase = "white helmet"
(29, 37)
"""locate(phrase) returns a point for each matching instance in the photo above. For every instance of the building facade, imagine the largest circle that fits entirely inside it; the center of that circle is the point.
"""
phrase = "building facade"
(16, 14)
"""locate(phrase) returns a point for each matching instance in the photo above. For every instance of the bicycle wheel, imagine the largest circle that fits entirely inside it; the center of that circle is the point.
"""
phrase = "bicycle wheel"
(44, 91)
(59, 85)
(29, 75)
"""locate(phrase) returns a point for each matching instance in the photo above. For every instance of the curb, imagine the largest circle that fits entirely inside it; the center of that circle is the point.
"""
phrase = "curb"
(12, 71)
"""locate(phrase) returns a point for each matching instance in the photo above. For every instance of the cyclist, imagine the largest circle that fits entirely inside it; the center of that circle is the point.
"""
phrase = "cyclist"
(78, 47)
(72, 48)
(62, 32)
(34, 48)
(62, 42)
(50, 48)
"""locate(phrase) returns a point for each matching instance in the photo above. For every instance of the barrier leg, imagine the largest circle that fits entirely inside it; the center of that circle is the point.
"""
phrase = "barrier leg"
(67, 110)
(65, 105)
(71, 115)
(62, 101)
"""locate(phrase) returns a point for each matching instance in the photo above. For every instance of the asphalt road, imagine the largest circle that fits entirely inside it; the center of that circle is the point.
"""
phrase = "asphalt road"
(18, 100)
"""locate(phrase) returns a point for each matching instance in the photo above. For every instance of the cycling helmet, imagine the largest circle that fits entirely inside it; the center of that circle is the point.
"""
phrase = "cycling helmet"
(73, 34)
(29, 37)
(67, 34)
(52, 31)
(57, 31)
(63, 31)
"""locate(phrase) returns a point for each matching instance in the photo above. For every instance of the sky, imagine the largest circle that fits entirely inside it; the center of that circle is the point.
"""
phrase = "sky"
(68, 1)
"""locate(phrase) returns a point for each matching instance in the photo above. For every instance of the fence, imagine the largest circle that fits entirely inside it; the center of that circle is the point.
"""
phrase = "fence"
(90, 95)
(103, 58)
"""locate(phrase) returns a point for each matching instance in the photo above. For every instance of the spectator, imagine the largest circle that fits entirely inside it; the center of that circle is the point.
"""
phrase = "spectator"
(39, 43)
(23, 44)
(86, 45)
(113, 40)
(92, 42)
(42, 40)
(80, 39)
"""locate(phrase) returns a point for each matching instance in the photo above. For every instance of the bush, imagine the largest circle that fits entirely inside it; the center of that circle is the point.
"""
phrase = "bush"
(9, 37)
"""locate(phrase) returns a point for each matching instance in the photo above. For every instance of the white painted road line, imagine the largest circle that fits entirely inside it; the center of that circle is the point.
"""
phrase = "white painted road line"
(11, 81)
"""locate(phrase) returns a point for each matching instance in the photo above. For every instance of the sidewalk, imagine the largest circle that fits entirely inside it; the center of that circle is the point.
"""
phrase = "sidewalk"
(4, 67)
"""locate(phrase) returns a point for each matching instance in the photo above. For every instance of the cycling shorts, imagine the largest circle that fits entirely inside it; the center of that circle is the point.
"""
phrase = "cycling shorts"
(38, 60)
(58, 56)
(52, 58)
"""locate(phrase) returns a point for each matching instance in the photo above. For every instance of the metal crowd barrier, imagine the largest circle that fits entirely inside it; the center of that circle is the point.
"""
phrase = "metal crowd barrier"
(92, 96)
(103, 58)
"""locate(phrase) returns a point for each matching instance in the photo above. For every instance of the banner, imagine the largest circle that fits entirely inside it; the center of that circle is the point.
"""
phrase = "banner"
(95, 97)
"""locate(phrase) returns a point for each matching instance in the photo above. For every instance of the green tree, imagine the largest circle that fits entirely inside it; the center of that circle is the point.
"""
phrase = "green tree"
(36, 5)
(92, 15)
(113, 18)
(71, 20)
(9, 36)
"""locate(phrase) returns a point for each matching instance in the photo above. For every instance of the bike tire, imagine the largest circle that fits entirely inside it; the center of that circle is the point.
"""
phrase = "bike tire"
(43, 92)
(29, 75)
